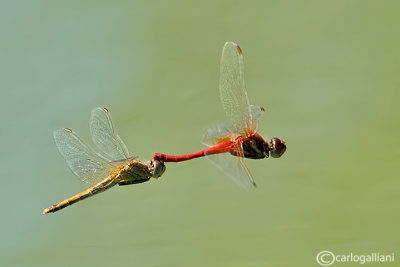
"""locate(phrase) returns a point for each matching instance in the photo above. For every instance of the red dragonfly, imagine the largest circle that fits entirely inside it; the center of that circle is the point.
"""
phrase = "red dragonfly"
(241, 138)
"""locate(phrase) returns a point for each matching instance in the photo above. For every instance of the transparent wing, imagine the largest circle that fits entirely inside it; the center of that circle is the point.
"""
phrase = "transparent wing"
(232, 89)
(104, 135)
(81, 159)
(216, 135)
(233, 167)
(256, 113)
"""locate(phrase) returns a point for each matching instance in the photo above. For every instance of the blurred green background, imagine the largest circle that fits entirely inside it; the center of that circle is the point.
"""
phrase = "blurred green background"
(326, 71)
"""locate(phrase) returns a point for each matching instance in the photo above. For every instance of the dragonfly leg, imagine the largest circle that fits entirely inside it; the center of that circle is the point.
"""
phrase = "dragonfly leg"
(133, 182)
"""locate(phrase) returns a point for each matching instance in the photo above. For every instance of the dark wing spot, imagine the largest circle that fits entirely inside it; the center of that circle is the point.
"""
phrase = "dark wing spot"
(239, 49)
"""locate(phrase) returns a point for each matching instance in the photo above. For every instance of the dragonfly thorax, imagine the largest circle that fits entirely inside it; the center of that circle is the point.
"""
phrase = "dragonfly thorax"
(254, 147)
(135, 171)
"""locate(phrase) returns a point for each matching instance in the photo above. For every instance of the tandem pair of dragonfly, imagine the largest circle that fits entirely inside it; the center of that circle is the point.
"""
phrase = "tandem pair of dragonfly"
(227, 147)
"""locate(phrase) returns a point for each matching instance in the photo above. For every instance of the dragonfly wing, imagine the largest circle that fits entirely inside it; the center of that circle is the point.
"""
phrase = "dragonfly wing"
(105, 136)
(234, 167)
(81, 159)
(256, 113)
(216, 135)
(232, 88)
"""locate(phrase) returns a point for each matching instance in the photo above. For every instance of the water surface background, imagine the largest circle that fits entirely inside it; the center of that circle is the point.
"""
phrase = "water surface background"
(327, 73)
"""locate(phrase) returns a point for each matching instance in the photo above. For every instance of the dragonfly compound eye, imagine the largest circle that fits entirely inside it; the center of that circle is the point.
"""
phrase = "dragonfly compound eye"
(278, 147)
(158, 168)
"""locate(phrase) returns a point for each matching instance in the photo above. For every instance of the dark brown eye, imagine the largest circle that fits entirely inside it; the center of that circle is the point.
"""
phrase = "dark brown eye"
(278, 147)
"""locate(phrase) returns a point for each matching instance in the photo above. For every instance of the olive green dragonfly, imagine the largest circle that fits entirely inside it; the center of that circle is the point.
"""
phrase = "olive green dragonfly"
(101, 170)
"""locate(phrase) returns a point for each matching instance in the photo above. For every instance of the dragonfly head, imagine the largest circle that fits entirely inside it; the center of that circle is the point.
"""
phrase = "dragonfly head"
(157, 168)
(277, 147)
